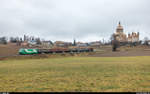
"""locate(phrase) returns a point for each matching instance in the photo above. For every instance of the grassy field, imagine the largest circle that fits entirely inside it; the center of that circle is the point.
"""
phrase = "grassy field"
(106, 74)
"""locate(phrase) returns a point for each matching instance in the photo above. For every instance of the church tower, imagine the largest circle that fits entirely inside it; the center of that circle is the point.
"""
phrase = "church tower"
(120, 36)
(119, 28)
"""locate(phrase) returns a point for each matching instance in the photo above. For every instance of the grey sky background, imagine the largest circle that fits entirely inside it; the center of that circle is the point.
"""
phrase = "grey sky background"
(84, 20)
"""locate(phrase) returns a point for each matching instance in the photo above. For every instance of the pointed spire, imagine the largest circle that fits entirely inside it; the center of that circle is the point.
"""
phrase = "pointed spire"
(74, 42)
(119, 23)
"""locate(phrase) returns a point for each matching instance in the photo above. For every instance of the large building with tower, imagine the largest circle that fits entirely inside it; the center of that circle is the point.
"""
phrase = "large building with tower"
(122, 37)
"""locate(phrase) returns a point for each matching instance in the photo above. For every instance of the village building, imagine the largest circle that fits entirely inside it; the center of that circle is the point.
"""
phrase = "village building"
(80, 44)
(122, 37)
(95, 44)
(47, 44)
(62, 44)
(24, 43)
(134, 37)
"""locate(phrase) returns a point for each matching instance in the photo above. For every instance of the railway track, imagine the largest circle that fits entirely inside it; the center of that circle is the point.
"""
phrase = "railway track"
(37, 52)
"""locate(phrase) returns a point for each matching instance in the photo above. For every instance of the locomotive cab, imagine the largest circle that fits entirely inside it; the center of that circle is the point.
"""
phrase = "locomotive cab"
(23, 51)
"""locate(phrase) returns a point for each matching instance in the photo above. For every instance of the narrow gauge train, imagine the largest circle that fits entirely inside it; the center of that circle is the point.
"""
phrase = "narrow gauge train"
(24, 51)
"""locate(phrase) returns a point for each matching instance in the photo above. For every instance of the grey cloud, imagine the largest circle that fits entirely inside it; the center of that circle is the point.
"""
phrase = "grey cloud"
(85, 20)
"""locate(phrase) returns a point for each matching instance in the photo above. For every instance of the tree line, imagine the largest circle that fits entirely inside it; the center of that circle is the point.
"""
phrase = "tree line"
(5, 40)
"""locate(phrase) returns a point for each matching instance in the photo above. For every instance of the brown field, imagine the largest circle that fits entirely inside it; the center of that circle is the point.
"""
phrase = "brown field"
(104, 51)
(9, 49)
(122, 51)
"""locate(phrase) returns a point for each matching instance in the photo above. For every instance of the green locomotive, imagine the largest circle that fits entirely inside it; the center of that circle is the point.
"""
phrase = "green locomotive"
(23, 51)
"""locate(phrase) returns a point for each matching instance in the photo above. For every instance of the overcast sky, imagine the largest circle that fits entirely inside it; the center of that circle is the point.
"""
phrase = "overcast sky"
(84, 20)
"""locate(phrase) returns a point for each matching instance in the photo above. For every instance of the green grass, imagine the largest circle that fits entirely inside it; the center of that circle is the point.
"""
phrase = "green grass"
(91, 74)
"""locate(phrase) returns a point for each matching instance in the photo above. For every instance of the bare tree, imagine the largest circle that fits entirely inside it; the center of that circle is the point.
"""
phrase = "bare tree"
(114, 42)
(74, 42)
(146, 40)
(38, 40)
(3, 40)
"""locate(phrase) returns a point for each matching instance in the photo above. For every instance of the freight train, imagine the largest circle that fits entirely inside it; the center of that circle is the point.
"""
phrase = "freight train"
(25, 51)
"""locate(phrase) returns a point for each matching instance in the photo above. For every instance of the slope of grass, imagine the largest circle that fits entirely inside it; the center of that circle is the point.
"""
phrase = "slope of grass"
(76, 74)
